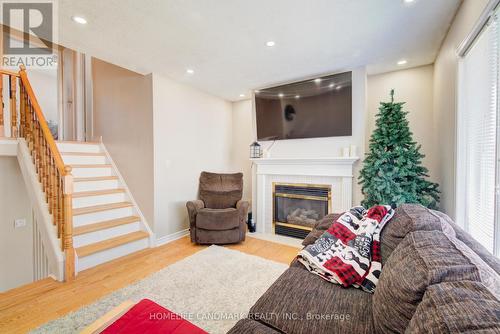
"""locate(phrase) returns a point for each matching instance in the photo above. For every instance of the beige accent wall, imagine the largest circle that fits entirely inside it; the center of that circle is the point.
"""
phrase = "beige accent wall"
(123, 117)
(16, 244)
(413, 86)
(445, 96)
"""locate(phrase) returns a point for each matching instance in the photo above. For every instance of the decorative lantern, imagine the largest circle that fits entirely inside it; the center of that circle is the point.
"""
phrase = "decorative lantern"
(255, 150)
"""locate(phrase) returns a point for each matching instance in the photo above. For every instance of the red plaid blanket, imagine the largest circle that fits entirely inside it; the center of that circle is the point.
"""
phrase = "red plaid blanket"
(348, 253)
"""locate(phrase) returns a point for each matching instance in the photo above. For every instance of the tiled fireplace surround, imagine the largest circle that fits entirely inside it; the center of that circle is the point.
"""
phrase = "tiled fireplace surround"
(334, 172)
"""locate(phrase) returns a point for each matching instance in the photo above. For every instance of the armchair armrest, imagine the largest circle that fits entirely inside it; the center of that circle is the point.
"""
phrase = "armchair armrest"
(193, 207)
(242, 207)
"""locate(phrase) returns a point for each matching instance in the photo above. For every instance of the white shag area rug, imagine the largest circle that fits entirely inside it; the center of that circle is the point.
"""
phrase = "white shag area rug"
(212, 288)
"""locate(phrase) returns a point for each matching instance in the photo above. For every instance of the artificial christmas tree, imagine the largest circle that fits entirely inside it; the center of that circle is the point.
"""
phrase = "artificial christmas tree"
(392, 170)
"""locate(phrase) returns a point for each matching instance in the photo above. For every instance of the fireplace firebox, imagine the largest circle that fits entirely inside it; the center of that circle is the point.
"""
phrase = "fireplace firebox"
(298, 207)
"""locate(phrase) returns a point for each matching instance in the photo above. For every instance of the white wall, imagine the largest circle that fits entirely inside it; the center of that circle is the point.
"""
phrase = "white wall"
(445, 88)
(44, 83)
(242, 128)
(312, 147)
(192, 133)
(413, 86)
(16, 244)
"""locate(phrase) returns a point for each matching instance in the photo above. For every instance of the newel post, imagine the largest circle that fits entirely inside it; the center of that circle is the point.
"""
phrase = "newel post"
(68, 225)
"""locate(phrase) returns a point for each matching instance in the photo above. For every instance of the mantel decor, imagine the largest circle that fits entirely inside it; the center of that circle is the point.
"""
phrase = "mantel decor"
(255, 150)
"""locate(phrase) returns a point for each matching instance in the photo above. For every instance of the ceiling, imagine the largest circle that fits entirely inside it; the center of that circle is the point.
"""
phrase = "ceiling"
(224, 41)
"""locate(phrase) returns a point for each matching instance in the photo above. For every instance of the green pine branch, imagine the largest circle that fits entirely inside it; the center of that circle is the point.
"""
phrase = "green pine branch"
(392, 171)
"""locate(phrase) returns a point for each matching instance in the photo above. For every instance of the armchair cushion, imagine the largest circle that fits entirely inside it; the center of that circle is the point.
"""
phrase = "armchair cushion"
(193, 207)
(221, 191)
(217, 219)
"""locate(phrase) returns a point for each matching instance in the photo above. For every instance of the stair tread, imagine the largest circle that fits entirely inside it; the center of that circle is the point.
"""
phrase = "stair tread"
(91, 166)
(86, 154)
(95, 178)
(98, 192)
(110, 243)
(102, 207)
(105, 225)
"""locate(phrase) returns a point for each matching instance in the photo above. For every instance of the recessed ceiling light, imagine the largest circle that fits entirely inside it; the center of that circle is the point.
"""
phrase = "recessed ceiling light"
(281, 94)
(402, 62)
(190, 71)
(331, 85)
(339, 87)
(297, 96)
(270, 43)
(79, 19)
(317, 80)
(409, 1)
(242, 95)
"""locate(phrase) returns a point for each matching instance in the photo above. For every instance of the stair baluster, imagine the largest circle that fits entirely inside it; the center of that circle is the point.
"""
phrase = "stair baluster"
(27, 121)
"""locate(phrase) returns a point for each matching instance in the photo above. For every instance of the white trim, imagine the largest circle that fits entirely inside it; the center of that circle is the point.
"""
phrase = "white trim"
(171, 237)
(460, 153)
(48, 232)
(145, 224)
(485, 16)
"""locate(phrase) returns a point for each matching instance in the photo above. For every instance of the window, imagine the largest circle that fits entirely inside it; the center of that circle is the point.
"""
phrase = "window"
(477, 137)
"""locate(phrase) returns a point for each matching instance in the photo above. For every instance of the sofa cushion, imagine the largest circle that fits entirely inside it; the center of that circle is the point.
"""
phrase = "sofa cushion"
(409, 218)
(300, 302)
(456, 307)
(249, 326)
(422, 259)
(466, 238)
(321, 226)
(220, 191)
(217, 219)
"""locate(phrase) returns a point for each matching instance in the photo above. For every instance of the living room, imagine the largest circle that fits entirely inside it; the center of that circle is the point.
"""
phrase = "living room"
(250, 167)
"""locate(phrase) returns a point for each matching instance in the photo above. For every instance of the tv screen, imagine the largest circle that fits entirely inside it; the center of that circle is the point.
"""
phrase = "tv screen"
(320, 107)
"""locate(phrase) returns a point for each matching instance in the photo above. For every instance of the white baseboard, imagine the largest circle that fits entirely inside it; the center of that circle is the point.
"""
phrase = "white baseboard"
(171, 237)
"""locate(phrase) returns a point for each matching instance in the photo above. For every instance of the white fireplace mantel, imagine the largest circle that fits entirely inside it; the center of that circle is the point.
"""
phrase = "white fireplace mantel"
(336, 172)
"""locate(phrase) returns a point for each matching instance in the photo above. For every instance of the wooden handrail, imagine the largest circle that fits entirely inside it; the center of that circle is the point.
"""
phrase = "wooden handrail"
(10, 73)
(28, 122)
(43, 123)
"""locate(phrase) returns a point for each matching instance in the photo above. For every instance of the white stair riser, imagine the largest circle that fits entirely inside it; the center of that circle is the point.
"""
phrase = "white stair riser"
(111, 254)
(100, 216)
(81, 202)
(93, 237)
(84, 159)
(95, 185)
(73, 147)
(92, 172)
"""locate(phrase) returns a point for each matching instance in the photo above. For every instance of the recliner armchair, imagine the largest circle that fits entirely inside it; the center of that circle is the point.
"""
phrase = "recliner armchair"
(219, 216)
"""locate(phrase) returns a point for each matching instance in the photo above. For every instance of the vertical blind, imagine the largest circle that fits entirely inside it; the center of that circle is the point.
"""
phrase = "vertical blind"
(478, 111)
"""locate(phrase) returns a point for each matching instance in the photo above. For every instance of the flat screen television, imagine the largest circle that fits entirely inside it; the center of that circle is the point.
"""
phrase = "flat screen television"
(320, 107)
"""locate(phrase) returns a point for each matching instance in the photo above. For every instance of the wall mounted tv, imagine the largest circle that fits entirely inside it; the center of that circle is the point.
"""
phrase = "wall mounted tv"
(320, 107)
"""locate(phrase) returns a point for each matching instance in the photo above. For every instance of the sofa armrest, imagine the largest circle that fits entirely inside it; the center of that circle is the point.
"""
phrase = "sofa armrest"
(242, 207)
(193, 207)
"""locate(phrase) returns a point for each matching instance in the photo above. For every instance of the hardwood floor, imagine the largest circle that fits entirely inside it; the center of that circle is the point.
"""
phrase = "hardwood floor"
(29, 306)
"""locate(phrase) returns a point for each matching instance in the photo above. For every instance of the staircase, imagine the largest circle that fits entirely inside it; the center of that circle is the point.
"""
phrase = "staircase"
(86, 213)
(106, 223)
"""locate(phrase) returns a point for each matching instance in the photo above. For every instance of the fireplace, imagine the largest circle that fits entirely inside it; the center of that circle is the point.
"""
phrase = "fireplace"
(298, 207)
